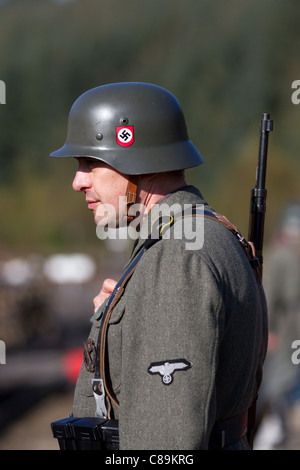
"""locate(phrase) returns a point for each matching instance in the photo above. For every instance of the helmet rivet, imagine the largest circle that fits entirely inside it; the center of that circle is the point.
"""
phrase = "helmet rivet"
(124, 120)
(99, 136)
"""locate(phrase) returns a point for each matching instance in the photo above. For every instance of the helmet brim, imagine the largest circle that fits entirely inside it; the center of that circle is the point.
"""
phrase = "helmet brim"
(137, 161)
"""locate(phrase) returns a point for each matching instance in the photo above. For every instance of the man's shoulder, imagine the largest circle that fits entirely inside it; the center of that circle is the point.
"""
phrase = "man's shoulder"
(186, 195)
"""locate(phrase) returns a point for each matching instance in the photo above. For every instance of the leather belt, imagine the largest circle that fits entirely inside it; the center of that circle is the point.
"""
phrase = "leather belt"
(228, 431)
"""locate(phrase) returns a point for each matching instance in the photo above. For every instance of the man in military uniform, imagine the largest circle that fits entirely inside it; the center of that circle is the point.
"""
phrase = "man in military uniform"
(183, 337)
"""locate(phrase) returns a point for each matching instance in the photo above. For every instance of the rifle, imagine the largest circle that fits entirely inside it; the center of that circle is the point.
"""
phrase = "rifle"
(256, 224)
(259, 193)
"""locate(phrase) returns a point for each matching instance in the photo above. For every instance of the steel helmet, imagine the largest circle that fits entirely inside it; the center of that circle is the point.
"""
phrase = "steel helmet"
(136, 128)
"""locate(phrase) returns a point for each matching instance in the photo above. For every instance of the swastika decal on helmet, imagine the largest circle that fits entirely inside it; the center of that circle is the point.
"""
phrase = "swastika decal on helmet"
(125, 136)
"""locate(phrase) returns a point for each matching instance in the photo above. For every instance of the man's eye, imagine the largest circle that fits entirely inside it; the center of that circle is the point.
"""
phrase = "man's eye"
(90, 161)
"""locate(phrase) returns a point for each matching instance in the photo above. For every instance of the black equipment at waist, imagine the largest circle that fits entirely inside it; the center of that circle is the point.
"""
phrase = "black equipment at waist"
(86, 433)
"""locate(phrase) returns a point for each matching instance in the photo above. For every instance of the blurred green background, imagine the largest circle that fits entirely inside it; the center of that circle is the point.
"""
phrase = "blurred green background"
(226, 61)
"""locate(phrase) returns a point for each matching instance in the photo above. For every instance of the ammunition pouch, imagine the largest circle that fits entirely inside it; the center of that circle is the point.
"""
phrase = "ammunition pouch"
(86, 433)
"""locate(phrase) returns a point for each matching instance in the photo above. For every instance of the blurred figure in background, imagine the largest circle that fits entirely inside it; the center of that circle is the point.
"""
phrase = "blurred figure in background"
(281, 386)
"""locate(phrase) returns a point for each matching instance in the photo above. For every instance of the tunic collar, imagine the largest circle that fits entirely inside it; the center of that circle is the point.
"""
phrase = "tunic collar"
(186, 195)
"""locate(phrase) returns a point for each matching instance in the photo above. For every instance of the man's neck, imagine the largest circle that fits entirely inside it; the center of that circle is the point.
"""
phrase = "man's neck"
(153, 188)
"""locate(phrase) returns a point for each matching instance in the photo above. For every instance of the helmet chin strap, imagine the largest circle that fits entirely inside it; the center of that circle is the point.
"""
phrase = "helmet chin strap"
(131, 198)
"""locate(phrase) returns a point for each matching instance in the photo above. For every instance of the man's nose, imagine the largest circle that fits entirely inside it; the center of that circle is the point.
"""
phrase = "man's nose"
(81, 180)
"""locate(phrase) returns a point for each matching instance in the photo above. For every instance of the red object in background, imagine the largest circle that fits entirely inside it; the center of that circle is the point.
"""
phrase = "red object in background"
(72, 361)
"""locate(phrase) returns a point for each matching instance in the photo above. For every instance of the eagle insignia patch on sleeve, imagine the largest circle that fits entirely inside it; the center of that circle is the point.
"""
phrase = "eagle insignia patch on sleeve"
(167, 368)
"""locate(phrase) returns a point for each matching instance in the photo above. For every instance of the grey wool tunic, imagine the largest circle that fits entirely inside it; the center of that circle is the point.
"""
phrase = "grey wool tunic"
(201, 310)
